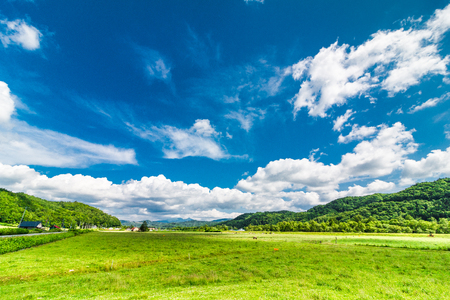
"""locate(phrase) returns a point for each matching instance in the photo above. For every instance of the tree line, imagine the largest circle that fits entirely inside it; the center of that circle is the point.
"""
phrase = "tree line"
(67, 214)
(359, 224)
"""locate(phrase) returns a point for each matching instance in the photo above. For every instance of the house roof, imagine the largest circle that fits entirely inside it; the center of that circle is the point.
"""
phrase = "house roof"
(30, 223)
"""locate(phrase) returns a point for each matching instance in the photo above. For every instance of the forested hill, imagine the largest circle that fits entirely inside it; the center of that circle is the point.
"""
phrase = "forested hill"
(422, 201)
(12, 206)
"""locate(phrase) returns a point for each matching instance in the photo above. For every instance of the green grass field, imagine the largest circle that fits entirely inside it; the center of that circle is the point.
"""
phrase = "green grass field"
(169, 265)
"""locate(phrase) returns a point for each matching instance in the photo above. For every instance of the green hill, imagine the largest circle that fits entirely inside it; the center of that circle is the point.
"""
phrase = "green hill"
(422, 201)
(12, 206)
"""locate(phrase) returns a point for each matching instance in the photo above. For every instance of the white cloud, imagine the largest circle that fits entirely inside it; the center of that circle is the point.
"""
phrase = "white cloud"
(437, 163)
(278, 186)
(21, 143)
(152, 198)
(357, 133)
(18, 32)
(341, 120)
(7, 107)
(24, 144)
(199, 140)
(246, 117)
(390, 60)
(380, 156)
(429, 103)
(377, 186)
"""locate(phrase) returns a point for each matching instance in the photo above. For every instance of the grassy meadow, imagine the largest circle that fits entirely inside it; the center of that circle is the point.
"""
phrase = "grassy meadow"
(170, 265)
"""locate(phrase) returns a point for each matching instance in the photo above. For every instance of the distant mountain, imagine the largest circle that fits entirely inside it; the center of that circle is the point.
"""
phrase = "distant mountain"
(171, 223)
(422, 201)
(176, 220)
(221, 220)
(12, 206)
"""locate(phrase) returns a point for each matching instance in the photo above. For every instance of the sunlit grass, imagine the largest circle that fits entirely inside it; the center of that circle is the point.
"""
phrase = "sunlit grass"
(225, 266)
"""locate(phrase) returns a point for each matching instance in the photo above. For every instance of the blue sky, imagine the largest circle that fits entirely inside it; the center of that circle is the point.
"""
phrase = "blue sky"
(208, 109)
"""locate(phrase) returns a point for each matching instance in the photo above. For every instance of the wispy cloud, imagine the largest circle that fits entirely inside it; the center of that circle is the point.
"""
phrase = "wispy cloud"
(199, 140)
(254, 1)
(25, 144)
(390, 60)
(18, 32)
(429, 103)
(341, 120)
(203, 52)
(246, 117)
(155, 65)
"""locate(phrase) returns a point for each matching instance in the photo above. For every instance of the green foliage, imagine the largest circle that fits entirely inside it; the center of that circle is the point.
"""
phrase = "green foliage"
(13, 231)
(144, 227)
(358, 224)
(22, 242)
(12, 206)
(422, 201)
(261, 218)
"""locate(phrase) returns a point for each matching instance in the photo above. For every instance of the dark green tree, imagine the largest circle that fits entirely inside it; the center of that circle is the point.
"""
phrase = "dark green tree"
(144, 227)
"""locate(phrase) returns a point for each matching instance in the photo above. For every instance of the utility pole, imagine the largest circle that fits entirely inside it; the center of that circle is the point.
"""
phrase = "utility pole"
(22, 216)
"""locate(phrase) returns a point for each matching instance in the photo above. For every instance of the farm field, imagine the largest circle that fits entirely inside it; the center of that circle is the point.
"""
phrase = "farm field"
(171, 265)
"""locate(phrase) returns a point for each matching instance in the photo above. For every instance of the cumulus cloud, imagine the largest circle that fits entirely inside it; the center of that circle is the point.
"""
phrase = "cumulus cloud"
(374, 158)
(7, 106)
(377, 186)
(21, 143)
(341, 120)
(285, 184)
(437, 163)
(389, 60)
(18, 32)
(199, 140)
(152, 198)
(429, 103)
(357, 133)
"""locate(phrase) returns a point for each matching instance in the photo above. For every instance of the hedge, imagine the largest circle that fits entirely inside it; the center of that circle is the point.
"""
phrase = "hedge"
(12, 231)
(22, 242)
